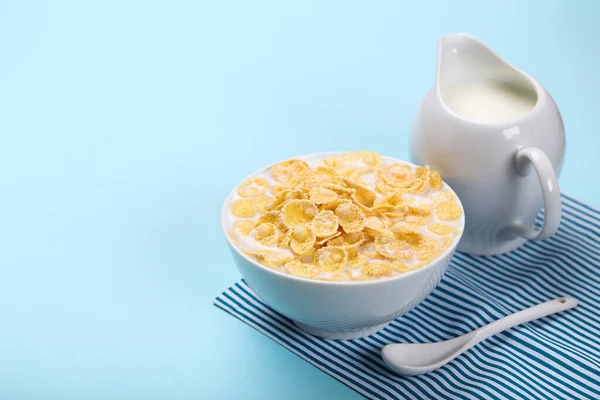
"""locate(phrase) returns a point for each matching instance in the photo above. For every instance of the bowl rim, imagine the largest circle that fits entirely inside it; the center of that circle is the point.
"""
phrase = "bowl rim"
(232, 245)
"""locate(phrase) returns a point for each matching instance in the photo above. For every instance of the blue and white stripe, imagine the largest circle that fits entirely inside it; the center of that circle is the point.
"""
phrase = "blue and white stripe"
(554, 358)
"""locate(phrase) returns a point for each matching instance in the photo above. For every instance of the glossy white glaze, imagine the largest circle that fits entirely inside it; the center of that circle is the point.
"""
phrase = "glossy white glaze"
(339, 310)
(420, 358)
(503, 172)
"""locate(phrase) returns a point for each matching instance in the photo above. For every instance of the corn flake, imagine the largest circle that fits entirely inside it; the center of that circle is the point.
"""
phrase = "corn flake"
(417, 215)
(321, 195)
(448, 195)
(284, 241)
(427, 245)
(243, 209)
(368, 250)
(276, 189)
(435, 180)
(283, 197)
(355, 259)
(271, 258)
(244, 227)
(376, 269)
(301, 270)
(374, 226)
(253, 187)
(332, 162)
(391, 248)
(394, 200)
(302, 239)
(351, 218)
(448, 212)
(397, 175)
(298, 212)
(362, 195)
(347, 240)
(441, 229)
(428, 256)
(269, 216)
(267, 234)
(338, 188)
(331, 259)
(325, 224)
(315, 181)
(399, 266)
(331, 173)
(327, 239)
(291, 172)
(406, 233)
(366, 157)
(261, 203)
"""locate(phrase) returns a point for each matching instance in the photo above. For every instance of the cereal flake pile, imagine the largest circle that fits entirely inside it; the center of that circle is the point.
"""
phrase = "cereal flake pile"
(351, 217)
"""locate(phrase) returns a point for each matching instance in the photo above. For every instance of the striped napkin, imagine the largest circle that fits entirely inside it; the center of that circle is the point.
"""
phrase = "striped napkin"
(553, 358)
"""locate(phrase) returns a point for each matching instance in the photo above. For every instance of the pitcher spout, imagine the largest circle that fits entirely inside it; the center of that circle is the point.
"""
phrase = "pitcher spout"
(473, 81)
(463, 58)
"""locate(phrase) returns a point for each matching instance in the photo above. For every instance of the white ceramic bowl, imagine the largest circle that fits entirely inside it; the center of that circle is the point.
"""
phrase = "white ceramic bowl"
(339, 310)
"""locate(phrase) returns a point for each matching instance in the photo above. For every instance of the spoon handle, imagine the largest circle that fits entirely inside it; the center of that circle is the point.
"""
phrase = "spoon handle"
(526, 315)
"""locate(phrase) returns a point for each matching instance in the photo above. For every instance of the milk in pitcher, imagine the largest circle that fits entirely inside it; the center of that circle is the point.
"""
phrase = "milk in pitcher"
(489, 101)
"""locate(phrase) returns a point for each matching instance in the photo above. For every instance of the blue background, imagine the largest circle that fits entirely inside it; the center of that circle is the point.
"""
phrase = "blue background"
(123, 126)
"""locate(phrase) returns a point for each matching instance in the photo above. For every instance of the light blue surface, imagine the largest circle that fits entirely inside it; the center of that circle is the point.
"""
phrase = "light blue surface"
(123, 126)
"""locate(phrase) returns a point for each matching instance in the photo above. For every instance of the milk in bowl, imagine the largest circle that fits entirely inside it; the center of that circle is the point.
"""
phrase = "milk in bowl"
(352, 217)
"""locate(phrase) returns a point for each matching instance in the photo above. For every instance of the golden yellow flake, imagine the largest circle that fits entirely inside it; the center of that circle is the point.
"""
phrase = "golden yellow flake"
(283, 197)
(321, 195)
(435, 180)
(301, 270)
(334, 204)
(363, 195)
(347, 240)
(441, 229)
(302, 239)
(374, 226)
(448, 211)
(391, 248)
(355, 259)
(253, 187)
(351, 218)
(298, 212)
(399, 266)
(366, 157)
(272, 258)
(331, 259)
(267, 234)
(397, 175)
(291, 172)
(406, 233)
(244, 227)
(325, 224)
(243, 209)
(327, 239)
(276, 189)
(261, 203)
(417, 215)
(376, 269)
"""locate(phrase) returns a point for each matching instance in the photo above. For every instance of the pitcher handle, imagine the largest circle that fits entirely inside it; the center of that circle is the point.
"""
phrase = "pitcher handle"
(525, 157)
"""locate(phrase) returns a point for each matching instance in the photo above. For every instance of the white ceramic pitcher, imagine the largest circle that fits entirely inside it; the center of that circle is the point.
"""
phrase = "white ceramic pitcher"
(503, 170)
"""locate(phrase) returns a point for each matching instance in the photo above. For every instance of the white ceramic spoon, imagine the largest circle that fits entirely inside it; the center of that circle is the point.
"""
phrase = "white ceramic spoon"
(419, 358)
